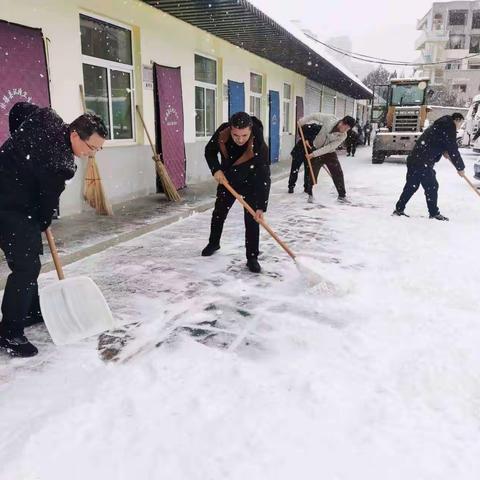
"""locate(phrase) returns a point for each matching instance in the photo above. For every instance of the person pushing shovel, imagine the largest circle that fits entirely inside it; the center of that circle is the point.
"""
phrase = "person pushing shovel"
(35, 162)
(437, 140)
(332, 134)
(245, 166)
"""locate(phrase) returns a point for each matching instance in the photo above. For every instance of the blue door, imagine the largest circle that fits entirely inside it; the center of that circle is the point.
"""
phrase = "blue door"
(274, 125)
(236, 97)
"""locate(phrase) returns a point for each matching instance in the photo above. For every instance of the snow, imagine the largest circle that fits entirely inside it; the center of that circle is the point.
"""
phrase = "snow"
(378, 378)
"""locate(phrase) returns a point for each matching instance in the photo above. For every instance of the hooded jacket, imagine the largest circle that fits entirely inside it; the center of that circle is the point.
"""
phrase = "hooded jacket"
(35, 162)
(440, 137)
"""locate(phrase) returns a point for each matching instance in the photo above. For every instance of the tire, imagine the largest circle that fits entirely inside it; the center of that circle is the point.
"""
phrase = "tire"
(377, 155)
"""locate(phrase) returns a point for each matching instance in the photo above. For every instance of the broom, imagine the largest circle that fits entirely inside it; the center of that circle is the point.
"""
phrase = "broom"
(167, 184)
(93, 191)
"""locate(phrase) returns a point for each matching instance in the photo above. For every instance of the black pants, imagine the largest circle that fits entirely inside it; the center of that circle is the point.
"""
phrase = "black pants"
(352, 147)
(425, 176)
(368, 136)
(298, 158)
(335, 169)
(224, 202)
(21, 242)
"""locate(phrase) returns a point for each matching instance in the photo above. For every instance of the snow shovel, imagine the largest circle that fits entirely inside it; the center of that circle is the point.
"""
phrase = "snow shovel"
(312, 277)
(73, 308)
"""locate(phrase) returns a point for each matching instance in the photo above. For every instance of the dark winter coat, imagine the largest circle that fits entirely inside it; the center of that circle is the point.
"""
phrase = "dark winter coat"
(440, 137)
(310, 131)
(254, 173)
(35, 162)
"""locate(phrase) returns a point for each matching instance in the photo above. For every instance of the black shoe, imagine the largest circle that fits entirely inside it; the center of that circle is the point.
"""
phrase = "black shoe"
(209, 250)
(398, 213)
(18, 346)
(253, 265)
(439, 216)
(290, 189)
(33, 320)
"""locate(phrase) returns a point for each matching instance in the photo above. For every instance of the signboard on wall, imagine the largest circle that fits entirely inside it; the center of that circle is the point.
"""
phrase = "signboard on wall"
(23, 67)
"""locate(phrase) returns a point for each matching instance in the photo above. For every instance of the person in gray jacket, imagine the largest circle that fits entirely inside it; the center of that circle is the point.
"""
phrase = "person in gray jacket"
(332, 134)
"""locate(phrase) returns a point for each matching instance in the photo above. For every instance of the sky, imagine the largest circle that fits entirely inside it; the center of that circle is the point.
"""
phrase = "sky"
(382, 29)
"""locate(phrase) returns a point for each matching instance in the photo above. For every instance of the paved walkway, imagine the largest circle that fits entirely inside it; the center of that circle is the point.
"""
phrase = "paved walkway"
(78, 236)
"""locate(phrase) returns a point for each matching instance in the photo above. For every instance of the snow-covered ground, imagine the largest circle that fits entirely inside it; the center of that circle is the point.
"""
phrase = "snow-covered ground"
(376, 378)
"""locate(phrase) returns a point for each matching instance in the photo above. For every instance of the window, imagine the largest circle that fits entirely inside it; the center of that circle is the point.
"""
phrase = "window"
(457, 17)
(460, 88)
(453, 66)
(438, 22)
(256, 89)
(456, 42)
(476, 19)
(287, 102)
(474, 66)
(475, 44)
(205, 96)
(107, 63)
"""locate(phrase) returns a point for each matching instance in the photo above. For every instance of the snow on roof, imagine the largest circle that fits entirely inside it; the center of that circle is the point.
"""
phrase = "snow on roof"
(310, 43)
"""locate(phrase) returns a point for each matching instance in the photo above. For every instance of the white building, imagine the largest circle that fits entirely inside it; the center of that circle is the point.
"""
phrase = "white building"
(451, 34)
(220, 48)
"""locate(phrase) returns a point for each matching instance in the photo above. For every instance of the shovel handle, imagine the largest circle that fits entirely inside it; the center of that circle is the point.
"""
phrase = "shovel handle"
(314, 181)
(263, 223)
(471, 185)
(53, 250)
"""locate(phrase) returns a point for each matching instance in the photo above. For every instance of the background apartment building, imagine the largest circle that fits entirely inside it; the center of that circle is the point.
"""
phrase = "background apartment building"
(451, 34)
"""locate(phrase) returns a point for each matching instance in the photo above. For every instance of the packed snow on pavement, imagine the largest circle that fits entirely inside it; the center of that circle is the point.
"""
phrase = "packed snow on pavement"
(232, 375)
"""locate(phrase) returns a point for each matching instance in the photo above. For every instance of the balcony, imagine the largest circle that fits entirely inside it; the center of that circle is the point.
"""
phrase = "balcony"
(431, 36)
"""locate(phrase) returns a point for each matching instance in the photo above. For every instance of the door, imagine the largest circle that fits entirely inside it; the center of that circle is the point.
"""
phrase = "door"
(298, 115)
(274, 125)
(236, 97)
(23, 67)
(169, 123)
(380, 104)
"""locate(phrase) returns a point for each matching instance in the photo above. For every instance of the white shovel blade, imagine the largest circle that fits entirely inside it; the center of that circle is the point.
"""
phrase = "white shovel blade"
(74, 309)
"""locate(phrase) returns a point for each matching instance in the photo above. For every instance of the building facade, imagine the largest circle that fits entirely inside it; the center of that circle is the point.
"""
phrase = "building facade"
(110, 50)
(451, 34)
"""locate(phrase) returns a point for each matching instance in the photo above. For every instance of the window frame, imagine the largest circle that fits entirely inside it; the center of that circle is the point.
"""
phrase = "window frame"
(111, 65)
(255, 94)
(457, 11)
(287, 101)
(206, 86)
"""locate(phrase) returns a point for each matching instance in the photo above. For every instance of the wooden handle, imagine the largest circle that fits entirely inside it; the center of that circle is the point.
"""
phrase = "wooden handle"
(471, 185)
(314, 181)
(56, 258)
(263, 223)
(155, 154)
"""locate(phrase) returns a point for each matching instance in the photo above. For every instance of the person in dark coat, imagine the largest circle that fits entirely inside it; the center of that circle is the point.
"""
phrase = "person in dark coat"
(310, 131)
(245, 165)
(351, 141)
(35, 162)
(437, 140)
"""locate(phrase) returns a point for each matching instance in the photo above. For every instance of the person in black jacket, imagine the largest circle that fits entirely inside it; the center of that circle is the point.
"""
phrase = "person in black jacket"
(437, 140)
(245, 165)
(310, 131)
(35, 162)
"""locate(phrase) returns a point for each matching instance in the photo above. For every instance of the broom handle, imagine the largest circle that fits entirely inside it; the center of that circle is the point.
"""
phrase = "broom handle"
(471, 185)
(314, 181)
(155, 154)
(56, 258)
(82, 96)
(263, 223)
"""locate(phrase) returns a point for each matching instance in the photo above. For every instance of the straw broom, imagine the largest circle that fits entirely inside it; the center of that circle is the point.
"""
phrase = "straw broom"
(93, 191)
(167, 184)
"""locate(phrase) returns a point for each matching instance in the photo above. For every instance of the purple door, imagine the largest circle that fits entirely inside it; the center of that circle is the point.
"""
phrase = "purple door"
(23, 70)
(169, 122)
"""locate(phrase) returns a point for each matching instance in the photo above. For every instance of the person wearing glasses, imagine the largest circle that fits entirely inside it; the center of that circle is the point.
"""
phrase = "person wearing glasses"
(35, 162)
